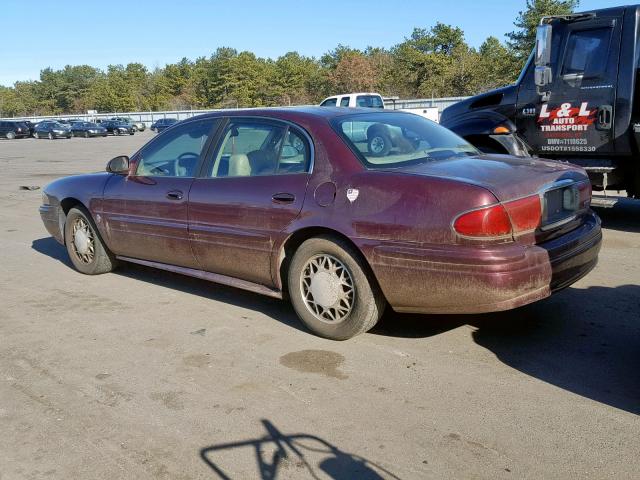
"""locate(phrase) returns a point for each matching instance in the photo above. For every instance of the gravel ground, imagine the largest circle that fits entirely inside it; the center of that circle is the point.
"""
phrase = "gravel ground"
(144, 374)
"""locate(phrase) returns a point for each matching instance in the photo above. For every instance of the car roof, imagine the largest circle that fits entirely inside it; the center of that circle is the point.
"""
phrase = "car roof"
(289, 113)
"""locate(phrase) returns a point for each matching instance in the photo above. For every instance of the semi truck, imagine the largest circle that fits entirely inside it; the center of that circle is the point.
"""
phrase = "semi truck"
(575, 101)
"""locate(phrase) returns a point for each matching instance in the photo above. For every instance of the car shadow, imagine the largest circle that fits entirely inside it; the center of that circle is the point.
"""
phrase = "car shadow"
(586, 341)
(623, 216)
(303, 454)
(271, 307)
(51, 248)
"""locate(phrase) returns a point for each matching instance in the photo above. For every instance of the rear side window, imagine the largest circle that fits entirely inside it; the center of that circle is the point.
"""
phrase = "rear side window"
(329, 102)
(587, 51)
(251, 149)
(369, 101)
(344, 102)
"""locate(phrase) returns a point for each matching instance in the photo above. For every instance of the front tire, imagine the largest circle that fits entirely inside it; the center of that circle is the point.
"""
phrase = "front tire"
(50, 136)
(86, 250)
(10, 135)
(331, 289)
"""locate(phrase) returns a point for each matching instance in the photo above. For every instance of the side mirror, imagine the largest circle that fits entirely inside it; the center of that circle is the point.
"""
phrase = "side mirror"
(543, 75)
(543, 45)
(119, 165)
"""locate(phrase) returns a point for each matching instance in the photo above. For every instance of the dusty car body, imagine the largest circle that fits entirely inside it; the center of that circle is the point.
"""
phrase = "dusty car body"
(425, 229)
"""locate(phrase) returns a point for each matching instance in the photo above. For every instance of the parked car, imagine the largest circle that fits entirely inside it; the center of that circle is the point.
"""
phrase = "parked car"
(137, 126)
(11, 129)
(87, 129)
(51, 129)
(284, 202)
(117, 128)
(362, 99)
(30, 125)
(163, 124)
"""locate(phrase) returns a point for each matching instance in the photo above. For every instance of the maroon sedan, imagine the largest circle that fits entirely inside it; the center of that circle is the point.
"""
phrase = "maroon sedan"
(343, 210)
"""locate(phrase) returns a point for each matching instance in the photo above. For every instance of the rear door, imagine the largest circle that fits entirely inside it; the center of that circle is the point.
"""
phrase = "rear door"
(578, 118)
(252, 188)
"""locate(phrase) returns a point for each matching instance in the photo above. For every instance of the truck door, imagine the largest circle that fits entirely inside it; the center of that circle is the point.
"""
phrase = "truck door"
(577, 119)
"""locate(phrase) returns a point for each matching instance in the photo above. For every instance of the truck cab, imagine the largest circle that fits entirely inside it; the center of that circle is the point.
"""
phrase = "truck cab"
(574, 101)
(361, 99)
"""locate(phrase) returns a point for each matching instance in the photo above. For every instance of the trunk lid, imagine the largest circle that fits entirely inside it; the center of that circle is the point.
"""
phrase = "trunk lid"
(505, 176)
(560, 185)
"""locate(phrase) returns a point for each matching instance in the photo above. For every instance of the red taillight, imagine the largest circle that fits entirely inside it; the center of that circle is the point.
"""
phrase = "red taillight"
(500, 220)
(525, 213)
(486, 222)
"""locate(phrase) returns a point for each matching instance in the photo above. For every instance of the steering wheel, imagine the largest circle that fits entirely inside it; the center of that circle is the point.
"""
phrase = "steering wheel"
(187, 160)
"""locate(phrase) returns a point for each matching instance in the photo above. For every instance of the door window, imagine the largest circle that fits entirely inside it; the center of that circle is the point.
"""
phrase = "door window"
(344, 102)
(329, 102)
(256, 149)
(177, 152)
(587, 53)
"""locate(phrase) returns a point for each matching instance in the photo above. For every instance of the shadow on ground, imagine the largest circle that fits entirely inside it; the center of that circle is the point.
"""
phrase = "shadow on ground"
(586, 341)
(279, 310)
(298, 454)
(624, 216)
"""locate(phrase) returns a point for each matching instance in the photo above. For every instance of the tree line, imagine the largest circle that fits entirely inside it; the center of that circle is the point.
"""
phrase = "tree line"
(433, 62)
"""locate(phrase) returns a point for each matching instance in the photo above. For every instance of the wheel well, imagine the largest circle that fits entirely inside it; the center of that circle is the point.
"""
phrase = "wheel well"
(70, 202)
(297, 238)
(485, 141)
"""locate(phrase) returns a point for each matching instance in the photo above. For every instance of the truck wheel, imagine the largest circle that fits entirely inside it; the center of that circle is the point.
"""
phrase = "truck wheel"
(379, 144)
(331, 289)
(86, 250)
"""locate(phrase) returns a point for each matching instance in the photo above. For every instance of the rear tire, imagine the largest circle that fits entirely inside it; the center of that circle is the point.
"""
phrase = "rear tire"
(331, 289)
(85, 247)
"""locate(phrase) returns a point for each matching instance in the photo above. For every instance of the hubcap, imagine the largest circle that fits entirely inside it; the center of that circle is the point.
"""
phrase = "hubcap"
(83, 241)
(327, 288)
(377, 144)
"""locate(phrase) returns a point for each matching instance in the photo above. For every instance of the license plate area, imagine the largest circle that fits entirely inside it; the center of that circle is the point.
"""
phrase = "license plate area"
(560, 205)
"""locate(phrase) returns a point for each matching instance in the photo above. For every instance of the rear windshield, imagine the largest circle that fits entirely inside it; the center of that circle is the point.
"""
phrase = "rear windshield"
(387, 140)
(369, 101)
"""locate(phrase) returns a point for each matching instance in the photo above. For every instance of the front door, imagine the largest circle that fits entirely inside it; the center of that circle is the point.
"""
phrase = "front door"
(145, 212)
(577, 119)
(253, 187)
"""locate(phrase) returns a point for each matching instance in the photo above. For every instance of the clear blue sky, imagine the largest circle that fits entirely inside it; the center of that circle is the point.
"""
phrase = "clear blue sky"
(41, 33)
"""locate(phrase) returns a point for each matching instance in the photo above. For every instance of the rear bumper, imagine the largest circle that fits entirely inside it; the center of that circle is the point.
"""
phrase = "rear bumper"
(463, 279)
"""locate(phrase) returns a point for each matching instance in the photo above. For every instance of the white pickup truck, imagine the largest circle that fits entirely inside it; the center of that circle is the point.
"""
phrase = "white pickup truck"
(375, 100)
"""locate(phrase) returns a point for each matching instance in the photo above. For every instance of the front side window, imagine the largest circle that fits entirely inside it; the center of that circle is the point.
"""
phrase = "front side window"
(369, 101)
(384, 140)
(251, 149)
(175, 153)
(587, 52)
(329, 102)
(344, 102)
